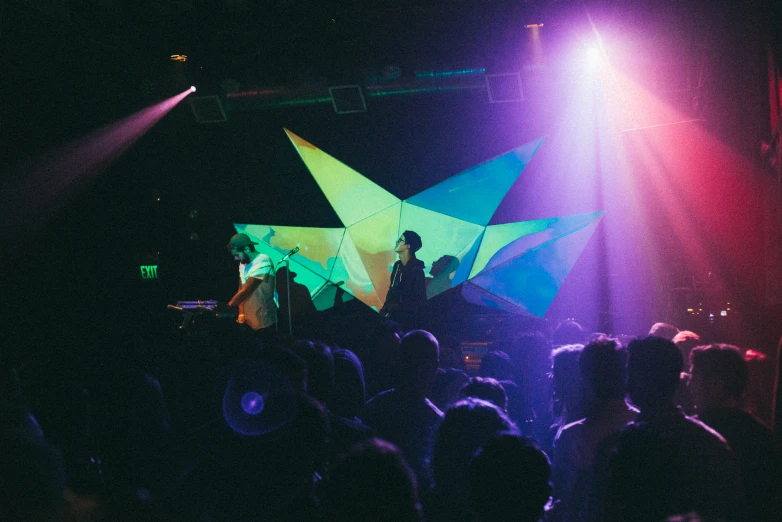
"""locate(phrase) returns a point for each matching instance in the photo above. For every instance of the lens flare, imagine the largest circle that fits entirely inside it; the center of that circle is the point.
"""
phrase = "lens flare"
(252, 403)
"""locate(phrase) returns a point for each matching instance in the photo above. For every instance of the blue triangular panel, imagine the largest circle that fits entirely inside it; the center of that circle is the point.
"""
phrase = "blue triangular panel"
(482, 297)
(463, 272)
(532, 280)
(475, 194)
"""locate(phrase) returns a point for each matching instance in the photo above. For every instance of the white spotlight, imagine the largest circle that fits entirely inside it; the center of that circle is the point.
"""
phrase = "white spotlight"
(192, 88)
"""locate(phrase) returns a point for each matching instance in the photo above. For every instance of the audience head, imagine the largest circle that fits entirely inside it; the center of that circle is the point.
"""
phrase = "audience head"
(566, 378)
(349, 395)
(467, 425)
(653, 370)
(719, 376)
(568, 332)
(603, 366)
(320, 368)
(371, 482)
(509, 480)
(446, 388)
(664, 330)
(33, 478)
(685, 341)
(496, 364)
(487, 389)
(419, 357)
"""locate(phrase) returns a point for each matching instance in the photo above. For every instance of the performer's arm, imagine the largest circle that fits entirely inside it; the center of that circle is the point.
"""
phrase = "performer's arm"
(247, 289)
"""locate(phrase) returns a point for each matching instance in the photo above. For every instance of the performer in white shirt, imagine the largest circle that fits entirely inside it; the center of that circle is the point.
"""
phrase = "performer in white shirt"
(255, 297)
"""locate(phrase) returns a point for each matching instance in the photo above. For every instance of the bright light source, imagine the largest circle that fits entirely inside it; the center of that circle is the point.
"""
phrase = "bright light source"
(192, 88)
(593, 55)
(530, 26)
(724, 313)
(178, 58)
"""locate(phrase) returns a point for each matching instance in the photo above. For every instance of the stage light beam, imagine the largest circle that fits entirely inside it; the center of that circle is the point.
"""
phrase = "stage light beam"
(43, 186)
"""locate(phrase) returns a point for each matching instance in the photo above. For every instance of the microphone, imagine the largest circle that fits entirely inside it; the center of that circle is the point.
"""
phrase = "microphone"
(289, 254)
(339, 283)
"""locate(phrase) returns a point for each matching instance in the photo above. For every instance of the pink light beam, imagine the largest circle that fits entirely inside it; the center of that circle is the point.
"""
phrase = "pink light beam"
(36, 190)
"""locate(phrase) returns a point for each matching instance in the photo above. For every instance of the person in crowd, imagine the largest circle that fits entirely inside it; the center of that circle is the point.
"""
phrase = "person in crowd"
(407, 292)
(253, 478)
(378, 351)
(685, 341)
(255, 297)
(497, 365)
(603, 369)
(487, 389)
(509, 481)
(32, 471)
(719, 380)
(667, 463)
(404, 415)
(349, 395)
(530, 355)
(321, 365)
(467, 426)
(568, 332)
(371, 482)
(567, 404)
(760, 379)
(664, 330)
(447, 385)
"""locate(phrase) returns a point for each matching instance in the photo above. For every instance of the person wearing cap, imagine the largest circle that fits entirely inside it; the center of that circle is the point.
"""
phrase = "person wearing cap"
(407, 292)
(255, 297)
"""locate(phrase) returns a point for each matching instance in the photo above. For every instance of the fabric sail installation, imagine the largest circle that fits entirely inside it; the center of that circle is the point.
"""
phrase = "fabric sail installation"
(517, 267)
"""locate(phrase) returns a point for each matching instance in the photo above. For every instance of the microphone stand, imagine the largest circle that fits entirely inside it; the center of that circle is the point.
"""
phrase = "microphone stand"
(288, 289)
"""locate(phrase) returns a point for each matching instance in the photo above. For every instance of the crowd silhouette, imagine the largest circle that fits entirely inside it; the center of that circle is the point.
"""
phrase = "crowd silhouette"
(372, 423)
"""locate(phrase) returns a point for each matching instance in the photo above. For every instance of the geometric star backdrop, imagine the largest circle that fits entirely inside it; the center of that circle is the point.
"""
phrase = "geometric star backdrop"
(514, 266)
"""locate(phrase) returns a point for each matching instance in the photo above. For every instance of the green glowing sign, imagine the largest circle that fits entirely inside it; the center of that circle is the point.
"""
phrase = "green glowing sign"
(148, 271)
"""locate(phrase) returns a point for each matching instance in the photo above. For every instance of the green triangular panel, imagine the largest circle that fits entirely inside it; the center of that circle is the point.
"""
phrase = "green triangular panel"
(475, 194)
(374, 239)
(318, 247)
(445, 240)
(353, 196)
(350, 269)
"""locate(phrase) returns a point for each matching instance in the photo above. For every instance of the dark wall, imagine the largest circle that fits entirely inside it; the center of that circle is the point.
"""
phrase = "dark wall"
(83, 264)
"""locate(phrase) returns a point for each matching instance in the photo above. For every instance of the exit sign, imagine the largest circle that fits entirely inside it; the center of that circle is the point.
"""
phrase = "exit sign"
(148, 271)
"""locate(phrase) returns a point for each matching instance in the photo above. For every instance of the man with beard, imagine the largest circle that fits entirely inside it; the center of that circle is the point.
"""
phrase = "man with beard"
(255, 297)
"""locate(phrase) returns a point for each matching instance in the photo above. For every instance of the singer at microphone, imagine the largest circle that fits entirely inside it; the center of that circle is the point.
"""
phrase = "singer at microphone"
(255, 297)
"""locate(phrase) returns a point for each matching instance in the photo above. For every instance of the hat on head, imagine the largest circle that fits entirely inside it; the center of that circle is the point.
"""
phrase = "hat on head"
(239, 241)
